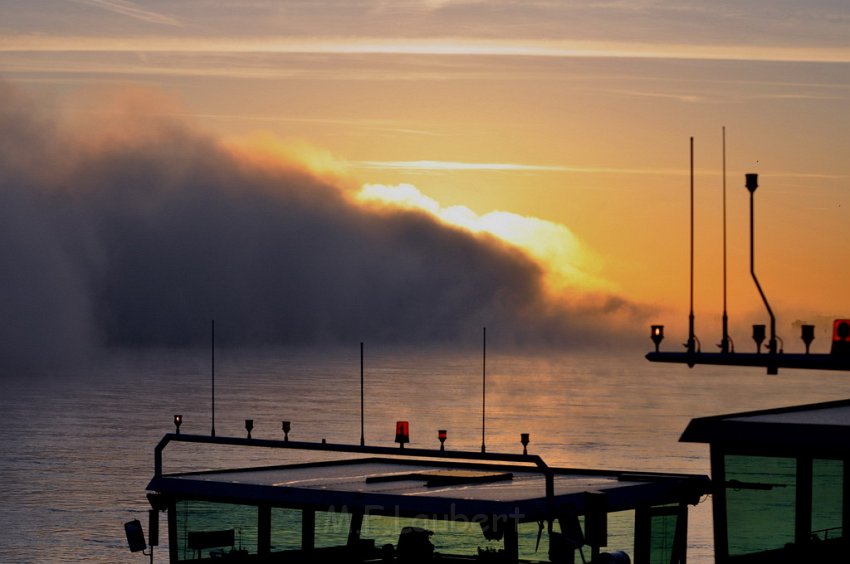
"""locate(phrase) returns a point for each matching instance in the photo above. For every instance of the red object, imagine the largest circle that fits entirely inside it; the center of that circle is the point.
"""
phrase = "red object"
(402, 432)
(841, 337)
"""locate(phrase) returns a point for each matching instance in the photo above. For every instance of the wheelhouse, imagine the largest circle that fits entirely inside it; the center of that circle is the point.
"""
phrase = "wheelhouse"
(780, 483)
(414, 505)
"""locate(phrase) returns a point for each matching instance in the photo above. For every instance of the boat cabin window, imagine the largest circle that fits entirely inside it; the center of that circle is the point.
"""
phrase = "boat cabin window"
(285, 529)
(760, 500)
(460, 537)
(784, 505)
(827, 499)
(208, 530)
(331, 528)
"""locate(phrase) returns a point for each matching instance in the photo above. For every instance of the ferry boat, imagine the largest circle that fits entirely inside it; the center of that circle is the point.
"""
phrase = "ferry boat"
(383, 504)
(779, 490)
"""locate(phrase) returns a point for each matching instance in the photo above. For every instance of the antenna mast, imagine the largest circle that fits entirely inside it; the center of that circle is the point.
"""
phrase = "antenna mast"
(212, 374)
(724, 342)
(483, 389)
(362, 433)
(691, 339)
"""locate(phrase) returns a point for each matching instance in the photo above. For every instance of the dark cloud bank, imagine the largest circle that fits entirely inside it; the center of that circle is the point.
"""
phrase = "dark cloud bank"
(140, 235)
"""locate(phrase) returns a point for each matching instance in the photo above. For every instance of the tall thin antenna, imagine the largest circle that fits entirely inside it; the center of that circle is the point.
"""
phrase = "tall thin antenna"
(212, 373)
(483, 390)
(724, 342)
(362, 433)
(691, 340)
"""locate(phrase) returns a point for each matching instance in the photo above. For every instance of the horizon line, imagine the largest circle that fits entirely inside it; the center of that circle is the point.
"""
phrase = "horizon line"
(434, 46)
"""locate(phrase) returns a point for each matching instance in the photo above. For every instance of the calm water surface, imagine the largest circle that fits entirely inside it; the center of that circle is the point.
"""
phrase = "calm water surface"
(77, 446)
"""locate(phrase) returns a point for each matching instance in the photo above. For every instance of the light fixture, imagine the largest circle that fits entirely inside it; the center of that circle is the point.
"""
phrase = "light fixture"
(249, 426)
(441, 434)
(523, 438)
(751, 181)
(840, 337)
(808, 335)
(286, 426)
(135, 536)
(402, 433)
(758, 336)
(657, 335)
(178, 420)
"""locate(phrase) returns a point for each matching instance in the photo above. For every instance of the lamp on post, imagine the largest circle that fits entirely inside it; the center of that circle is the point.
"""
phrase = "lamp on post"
(402, 433)
(441, 434)
(249, 426)
(657, 335)
(758, 336)
(751, 182)
(808, 335)
(523, 438)
(178, 420)
(286, 426)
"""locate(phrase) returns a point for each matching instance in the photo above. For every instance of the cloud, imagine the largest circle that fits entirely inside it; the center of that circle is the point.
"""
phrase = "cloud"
(562, 256)
(454, 166)
(437, 46)
(142, 231)
(130, 9)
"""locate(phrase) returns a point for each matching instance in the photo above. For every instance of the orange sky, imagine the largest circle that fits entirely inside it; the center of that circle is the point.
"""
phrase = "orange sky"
(575, 116)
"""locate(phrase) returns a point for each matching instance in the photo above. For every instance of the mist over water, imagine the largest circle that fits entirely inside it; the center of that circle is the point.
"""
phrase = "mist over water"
(129, 227)
(78, 444)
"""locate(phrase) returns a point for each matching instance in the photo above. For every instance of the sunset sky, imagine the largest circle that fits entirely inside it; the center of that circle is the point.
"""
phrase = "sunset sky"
(560, 128)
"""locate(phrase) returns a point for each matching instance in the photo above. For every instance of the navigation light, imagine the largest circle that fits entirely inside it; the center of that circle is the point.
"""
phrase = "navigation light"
(402, 433)
(808, 335)
(758, 336)
(657, 335)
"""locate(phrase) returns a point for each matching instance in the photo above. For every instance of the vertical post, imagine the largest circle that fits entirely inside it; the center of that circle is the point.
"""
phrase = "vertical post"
(752, 184)
(212, 372)
(803, 501)
(511, 536)
(691, 340)
(724, 342)
(264, 529)
(173, 553)
(308, 531)
(718, 507)
(362, 431)
(483, 390)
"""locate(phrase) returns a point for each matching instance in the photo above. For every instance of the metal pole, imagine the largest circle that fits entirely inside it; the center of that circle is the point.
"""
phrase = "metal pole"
(752, 184)
(691, 339)
(483, 390)
(212, 364)
(724, 342)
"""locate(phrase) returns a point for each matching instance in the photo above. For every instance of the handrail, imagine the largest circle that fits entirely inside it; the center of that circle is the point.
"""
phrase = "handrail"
(337, 447)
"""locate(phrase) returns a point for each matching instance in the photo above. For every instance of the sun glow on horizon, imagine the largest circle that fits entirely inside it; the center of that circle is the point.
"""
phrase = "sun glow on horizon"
(565, 260)
(433, 45)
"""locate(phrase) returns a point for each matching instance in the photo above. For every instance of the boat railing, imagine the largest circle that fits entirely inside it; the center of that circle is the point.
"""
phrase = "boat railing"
(534, 462)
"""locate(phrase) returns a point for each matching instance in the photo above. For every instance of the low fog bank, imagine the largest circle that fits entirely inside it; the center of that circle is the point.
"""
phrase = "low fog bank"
(142, 231)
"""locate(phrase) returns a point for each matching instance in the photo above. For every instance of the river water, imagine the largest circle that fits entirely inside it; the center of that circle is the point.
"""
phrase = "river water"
(77, 444)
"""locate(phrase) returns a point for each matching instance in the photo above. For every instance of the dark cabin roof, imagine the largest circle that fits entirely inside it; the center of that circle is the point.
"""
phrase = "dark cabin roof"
(415, 482)
(803, 427)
